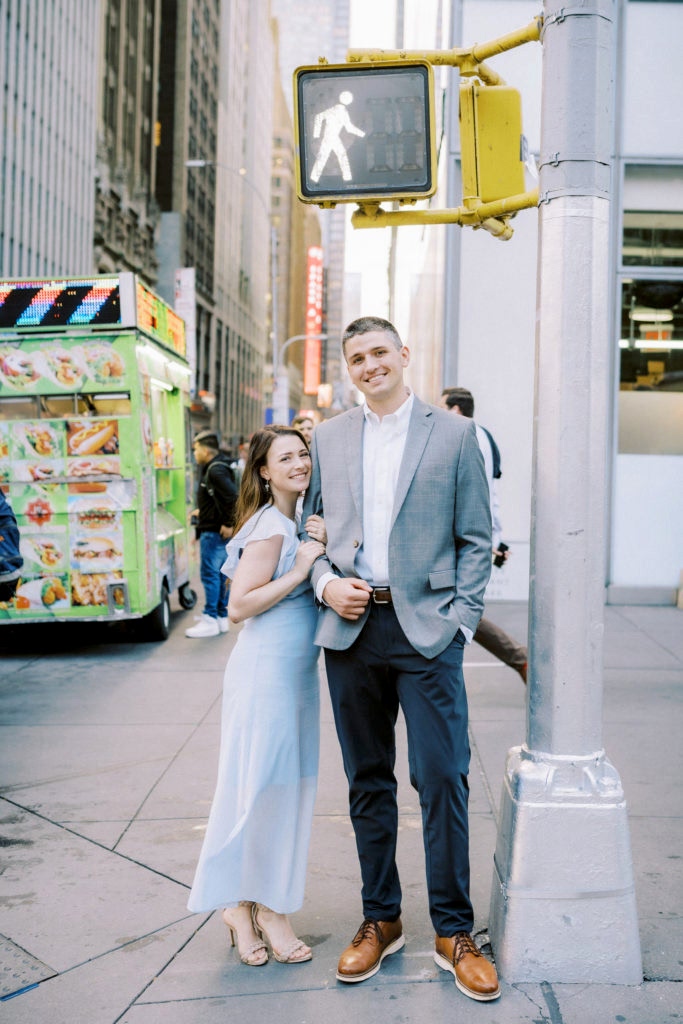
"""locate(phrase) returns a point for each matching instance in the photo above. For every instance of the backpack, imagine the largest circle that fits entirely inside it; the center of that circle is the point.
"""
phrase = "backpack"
(495, 455)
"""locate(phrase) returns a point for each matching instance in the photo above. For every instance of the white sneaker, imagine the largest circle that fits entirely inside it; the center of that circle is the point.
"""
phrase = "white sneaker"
(223, 624)
(206, 626)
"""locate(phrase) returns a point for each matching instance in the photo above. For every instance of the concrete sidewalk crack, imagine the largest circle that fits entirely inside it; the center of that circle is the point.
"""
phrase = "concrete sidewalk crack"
(554, 1014)
(93, 842)
(169, 765)
(482, 774)
(164, 967)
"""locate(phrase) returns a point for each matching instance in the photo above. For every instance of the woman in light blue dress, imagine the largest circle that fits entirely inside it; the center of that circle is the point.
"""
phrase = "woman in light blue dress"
(253, 860)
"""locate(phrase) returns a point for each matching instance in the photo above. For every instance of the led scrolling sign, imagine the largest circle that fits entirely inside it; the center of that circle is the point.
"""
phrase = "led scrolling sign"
(89, 302)
(73, 303)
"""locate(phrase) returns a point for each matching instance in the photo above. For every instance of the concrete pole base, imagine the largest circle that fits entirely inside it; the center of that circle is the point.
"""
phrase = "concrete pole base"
(563, 903)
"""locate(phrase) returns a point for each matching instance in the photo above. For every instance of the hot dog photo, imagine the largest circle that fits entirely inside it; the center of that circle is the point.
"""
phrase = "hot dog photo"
(92, 437)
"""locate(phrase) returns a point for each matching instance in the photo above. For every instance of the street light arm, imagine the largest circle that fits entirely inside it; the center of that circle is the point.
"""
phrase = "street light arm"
(239, 172)
(299, 337)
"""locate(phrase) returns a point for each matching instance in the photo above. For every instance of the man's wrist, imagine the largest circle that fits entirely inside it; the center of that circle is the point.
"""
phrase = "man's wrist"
(322, 583)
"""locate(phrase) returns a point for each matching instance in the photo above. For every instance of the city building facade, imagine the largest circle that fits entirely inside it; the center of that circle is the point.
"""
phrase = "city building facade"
(215, 113)
(296, 229)
(303, 38)
(48, 121)
(126, 211)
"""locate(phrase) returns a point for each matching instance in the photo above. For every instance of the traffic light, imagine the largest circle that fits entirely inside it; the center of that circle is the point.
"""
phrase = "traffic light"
(364, 132)
(491, 142)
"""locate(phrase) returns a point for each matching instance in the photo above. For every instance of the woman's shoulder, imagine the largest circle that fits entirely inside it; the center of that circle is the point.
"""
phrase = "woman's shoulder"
(262, 525)
(266, 522)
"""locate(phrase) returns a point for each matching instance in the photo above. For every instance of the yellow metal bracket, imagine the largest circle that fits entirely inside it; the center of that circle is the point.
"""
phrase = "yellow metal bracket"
(470, 59)
(492, 216)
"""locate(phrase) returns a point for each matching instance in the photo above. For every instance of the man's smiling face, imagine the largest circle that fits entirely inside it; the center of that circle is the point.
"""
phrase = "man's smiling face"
(376, 366)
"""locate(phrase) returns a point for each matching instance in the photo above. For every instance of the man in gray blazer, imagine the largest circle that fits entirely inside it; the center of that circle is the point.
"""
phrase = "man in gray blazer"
(403, 491)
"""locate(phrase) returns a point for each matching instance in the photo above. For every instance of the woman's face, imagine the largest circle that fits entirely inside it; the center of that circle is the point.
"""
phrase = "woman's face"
(288, 465)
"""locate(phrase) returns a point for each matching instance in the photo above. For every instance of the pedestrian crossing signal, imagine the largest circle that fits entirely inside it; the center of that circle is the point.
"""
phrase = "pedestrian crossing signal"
(365, 132)
(491, 142)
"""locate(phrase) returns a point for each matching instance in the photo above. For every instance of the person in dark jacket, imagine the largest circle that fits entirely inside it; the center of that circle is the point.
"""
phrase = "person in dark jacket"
(11, 560)
(216, 498)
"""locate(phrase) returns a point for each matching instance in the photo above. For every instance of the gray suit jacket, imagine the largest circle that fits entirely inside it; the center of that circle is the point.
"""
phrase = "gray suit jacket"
(440, 539)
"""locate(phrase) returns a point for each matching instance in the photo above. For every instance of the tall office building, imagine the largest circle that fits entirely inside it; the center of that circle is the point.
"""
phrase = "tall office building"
(296, 230)
(215, 115)
(126, 212)
(47, 136)
(304, 37)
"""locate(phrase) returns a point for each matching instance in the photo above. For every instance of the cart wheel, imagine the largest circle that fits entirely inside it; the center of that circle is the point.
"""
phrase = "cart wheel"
(187, 597)
(157, 625)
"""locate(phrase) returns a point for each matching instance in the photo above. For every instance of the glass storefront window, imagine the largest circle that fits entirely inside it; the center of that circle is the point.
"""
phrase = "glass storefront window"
(652, 239)
(651, 372)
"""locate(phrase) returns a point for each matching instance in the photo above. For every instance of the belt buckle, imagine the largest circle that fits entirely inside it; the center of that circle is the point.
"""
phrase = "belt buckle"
(381, 595)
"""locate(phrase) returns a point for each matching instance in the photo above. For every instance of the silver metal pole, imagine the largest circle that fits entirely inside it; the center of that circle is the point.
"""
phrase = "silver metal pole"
(281, 401)
(563, 903)
(451, 318)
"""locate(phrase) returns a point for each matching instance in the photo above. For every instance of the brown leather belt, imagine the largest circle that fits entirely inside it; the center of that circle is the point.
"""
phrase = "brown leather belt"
(382, 595)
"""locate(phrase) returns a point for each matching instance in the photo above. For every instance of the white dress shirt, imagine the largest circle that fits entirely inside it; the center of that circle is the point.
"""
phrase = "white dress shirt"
(384, 442)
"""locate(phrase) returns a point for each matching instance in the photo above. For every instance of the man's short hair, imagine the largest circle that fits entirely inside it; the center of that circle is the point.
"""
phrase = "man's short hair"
(461, 397)
(207, 438)
(366, 324)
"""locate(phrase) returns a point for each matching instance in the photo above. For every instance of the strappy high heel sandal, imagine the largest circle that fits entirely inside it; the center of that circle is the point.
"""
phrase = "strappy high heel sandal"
(297, 952)
(253, 954)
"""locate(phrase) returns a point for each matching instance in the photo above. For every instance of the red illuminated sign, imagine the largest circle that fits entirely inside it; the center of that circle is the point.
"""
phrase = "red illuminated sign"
(314, 320)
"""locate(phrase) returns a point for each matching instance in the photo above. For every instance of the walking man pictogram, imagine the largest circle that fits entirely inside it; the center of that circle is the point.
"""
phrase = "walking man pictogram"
(330, 123)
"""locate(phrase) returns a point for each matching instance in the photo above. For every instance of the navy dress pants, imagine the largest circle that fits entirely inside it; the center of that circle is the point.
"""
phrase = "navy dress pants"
(368, 682)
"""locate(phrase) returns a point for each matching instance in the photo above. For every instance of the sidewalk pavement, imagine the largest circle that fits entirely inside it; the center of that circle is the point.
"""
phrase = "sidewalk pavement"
(108, 753)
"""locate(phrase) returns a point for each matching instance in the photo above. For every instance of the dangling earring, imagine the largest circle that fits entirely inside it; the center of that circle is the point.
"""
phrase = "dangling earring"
(267, 486)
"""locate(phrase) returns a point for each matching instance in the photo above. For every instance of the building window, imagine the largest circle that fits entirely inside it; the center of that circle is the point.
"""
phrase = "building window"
(650, 403)
(652, 239)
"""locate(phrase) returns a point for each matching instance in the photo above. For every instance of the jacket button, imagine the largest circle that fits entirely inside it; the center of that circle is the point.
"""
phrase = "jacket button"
(356, 543)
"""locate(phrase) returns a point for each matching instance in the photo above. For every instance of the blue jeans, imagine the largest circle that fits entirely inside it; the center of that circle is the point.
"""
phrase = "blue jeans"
(211, 558)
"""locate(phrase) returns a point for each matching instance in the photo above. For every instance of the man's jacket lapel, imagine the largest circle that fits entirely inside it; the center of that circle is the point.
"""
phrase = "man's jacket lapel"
(419, 429)
(353, 457)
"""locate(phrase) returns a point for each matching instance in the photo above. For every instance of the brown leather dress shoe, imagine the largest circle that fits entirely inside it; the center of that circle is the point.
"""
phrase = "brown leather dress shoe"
(372, 942)
(474, 974)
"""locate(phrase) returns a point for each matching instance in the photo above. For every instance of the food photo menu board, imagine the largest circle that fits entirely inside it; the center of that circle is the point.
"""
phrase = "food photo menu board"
(65, 485)
(60, 364)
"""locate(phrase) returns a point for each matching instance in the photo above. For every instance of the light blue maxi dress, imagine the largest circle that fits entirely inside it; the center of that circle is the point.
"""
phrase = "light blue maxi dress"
(256, 843)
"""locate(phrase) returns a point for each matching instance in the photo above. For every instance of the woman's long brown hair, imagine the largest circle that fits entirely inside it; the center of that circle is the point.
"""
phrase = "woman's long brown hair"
(253, 493)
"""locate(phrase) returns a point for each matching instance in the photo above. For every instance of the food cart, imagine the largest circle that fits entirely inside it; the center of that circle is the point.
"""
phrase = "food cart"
(95, 450)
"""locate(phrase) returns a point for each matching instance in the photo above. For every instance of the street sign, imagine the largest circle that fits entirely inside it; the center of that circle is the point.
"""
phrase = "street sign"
(365, 132)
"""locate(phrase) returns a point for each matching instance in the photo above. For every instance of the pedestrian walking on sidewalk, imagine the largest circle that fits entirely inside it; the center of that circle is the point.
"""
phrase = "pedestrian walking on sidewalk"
(488, 635)
(11, 559)
(402, 487)
(216, 498)
(253, 860)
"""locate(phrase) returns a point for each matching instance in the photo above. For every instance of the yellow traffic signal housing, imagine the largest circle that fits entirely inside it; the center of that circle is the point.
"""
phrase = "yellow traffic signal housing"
(491, 142)
(365, 132)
